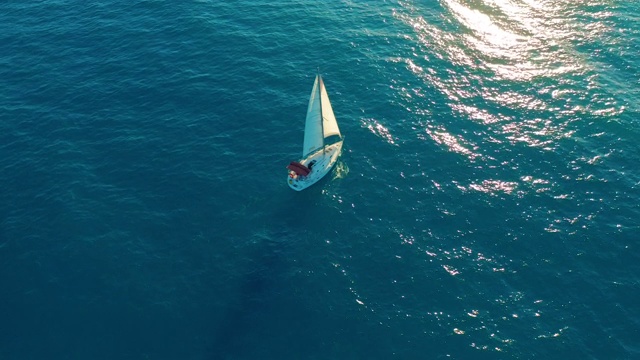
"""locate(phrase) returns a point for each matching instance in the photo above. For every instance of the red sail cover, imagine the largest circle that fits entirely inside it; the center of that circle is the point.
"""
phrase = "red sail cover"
(298, 168)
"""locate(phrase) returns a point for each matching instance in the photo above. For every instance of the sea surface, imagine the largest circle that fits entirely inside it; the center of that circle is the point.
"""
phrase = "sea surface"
(485, 206)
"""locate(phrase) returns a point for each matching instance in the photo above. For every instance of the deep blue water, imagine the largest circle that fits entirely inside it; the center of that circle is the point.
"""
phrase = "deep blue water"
(485, 205)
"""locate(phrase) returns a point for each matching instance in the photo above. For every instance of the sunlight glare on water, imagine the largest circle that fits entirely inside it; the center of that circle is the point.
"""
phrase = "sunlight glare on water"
(492, 47)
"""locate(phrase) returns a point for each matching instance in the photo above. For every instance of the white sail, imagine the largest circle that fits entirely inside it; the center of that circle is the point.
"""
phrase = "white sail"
(330, 125)
(313, 137)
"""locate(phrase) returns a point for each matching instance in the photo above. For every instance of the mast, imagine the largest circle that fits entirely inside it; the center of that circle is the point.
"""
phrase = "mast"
(320, 86)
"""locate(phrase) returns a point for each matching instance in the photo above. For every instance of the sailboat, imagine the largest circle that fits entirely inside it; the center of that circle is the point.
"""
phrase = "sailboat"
(322, 141)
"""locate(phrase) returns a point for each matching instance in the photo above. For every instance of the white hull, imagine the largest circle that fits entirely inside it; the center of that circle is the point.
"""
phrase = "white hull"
(325, 161)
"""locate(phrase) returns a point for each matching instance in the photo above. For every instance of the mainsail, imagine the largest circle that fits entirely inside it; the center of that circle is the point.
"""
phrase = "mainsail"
(320, 122)
(330, 125)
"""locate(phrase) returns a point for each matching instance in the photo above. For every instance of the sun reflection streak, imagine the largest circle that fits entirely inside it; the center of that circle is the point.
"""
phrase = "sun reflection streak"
(493, 187)
(453, 143)
(486, 34)
(379, 130)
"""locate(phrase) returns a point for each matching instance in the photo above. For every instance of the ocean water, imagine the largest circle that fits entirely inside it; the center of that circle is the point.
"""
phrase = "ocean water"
(485, 205)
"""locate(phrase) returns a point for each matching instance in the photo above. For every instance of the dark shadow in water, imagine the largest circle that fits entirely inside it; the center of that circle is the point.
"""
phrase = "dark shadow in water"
(243, 319)
(262, 303)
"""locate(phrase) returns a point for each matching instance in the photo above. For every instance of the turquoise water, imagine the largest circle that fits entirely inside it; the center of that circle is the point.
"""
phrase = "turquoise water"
(485, 205)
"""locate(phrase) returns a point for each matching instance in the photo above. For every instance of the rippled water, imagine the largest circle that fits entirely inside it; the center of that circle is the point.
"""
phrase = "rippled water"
(485, 204)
